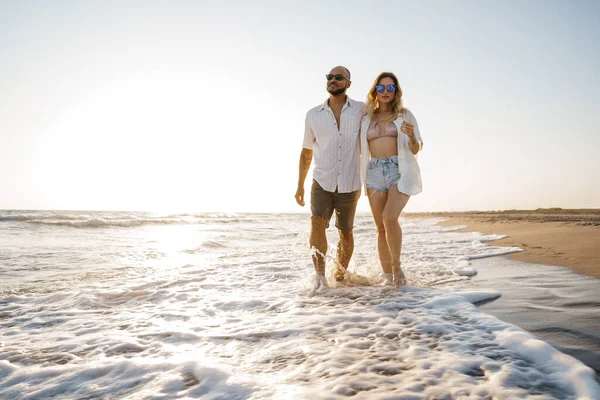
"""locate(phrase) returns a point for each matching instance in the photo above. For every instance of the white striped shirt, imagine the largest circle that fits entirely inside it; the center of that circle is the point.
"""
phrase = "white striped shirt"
(336, 153)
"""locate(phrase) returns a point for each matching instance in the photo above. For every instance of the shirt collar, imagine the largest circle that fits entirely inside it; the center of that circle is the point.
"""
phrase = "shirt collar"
(325, 106)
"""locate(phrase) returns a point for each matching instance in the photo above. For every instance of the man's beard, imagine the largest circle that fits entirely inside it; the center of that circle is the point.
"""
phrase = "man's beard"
(337, 92)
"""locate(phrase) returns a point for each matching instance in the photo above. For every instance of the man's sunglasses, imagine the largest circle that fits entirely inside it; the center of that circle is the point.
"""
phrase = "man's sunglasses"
(390, 88)
(337, 77)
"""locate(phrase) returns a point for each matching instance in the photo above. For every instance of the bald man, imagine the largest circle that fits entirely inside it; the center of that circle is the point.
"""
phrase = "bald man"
(331, 137)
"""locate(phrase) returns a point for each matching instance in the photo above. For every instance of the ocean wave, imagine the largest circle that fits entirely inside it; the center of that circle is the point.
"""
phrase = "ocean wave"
(361, 340)
(244, 308)
(117, 378)
(210, 244)
(103, 223)
(12, 218)
(48, 216)
(110, 219)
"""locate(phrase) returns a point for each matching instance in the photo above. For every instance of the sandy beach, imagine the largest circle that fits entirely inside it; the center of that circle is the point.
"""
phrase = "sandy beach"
(569, 238)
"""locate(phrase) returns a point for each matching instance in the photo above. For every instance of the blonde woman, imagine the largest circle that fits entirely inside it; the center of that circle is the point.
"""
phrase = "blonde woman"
(390, 141)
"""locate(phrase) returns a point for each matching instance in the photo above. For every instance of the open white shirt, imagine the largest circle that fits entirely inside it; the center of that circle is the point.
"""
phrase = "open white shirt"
(410, 181)
(336, 152)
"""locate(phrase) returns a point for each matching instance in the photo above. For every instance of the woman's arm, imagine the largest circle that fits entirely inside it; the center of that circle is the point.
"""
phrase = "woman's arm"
(414, 145)
(411, 129)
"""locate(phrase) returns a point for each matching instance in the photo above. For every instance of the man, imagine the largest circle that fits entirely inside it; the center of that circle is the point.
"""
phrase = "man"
(332, 136)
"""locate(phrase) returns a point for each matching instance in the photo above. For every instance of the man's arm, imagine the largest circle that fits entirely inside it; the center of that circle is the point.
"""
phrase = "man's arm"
(304, 166)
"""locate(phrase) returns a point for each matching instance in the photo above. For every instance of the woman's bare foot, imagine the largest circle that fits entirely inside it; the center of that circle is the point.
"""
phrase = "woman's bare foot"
(399, 278)
(387, 279)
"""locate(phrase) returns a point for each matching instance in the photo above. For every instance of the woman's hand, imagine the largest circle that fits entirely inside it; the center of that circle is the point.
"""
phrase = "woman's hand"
(408, 130)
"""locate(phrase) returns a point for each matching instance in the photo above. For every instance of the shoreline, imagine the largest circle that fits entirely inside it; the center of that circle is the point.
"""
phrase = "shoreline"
(566, 238)
(555, 304)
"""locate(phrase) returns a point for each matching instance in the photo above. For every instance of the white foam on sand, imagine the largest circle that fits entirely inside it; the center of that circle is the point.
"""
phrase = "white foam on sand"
(373, 342)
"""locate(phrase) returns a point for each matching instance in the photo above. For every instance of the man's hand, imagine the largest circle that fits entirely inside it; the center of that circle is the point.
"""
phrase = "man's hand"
(300, 196)
(303, 167)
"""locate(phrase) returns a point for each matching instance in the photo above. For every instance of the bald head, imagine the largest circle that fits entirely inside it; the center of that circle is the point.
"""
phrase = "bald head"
(340, 69)
(338, 80)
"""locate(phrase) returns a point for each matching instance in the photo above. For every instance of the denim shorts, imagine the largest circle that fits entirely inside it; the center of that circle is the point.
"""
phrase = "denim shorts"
(383, 173)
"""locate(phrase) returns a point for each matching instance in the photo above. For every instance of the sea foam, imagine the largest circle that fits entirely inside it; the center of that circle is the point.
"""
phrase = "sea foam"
(227, 310)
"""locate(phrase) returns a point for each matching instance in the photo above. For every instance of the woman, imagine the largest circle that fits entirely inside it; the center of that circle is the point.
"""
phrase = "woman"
(390, 135)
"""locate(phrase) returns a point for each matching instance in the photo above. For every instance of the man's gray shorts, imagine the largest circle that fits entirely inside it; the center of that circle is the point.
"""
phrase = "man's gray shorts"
(324, 203)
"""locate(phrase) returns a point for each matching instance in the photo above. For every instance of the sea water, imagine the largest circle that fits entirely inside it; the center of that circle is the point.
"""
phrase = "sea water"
(221, 306)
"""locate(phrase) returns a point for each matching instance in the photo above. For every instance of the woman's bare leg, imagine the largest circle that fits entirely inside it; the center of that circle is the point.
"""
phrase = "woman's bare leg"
(377, 200)
(394, 205)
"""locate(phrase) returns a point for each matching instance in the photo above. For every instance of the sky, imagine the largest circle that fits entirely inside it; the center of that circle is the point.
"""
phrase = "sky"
(200, 106)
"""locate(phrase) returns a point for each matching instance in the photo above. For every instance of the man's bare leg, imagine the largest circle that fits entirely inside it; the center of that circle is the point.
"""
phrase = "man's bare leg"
(344, 250)
(318, 240)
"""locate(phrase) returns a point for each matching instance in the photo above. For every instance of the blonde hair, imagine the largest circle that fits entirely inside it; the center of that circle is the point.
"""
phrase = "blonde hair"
(372, 105)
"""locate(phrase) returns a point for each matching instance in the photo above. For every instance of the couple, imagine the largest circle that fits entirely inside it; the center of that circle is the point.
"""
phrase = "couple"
(352, 143)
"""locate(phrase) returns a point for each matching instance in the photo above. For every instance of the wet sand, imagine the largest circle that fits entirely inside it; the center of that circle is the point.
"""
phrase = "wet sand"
(558, 305)
(568, 238)
(555, 304)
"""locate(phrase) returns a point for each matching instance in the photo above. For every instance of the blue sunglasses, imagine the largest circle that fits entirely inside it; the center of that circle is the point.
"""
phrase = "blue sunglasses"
(390, 88)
